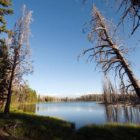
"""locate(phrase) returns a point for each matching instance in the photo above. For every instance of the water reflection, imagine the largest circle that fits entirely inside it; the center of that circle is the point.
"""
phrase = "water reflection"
(28, 108)
(122, 114)
(84, 113)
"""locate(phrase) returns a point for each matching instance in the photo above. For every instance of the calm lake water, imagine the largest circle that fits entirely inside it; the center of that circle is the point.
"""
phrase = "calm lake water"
(84, 113)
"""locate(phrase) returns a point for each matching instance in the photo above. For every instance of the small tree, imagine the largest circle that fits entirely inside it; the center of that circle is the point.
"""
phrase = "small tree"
(19, 53)
(108, 53)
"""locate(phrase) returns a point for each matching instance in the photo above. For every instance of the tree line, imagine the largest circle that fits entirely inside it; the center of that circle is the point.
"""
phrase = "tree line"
(24, 95)
(105, 98)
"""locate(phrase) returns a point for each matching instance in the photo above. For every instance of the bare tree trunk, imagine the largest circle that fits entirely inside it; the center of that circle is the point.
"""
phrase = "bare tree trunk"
(126, 67)
(8, 101)
(131, 76)
(9, 95)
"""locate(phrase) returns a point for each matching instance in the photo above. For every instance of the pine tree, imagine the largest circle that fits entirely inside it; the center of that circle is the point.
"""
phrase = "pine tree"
(4, 63)
(5, 10)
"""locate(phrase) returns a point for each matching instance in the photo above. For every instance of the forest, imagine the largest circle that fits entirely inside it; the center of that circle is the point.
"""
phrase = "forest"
(114, 113)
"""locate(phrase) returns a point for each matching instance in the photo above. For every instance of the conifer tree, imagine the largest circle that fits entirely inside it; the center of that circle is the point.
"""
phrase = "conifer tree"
(4, 63)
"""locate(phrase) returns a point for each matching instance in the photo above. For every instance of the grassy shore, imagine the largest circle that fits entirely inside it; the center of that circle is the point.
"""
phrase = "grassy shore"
(109, 132)
(21, 126)
(29, 126)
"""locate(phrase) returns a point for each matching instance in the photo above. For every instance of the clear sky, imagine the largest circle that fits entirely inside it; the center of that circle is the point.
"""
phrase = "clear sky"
(57, 40)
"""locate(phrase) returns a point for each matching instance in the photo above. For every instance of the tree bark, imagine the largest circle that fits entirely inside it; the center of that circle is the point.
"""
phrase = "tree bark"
(9, 95)
(130, 74)
(126, 67)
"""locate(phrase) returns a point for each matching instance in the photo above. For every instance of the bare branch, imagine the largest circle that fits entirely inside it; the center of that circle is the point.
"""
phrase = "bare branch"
(107, 53)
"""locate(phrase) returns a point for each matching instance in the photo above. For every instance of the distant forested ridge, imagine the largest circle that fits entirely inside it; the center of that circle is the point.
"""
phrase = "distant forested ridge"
(104, 98)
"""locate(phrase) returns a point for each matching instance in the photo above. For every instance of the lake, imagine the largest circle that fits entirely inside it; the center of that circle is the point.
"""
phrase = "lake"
(85, 113)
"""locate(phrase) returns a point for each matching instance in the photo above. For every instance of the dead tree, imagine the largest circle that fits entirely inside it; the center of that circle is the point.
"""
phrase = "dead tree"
(130, 10)
(108, 53)
(19, 53)
(109, 91)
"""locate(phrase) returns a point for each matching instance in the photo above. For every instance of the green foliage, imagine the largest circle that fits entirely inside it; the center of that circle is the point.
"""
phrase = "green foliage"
(4, 61)
(4, 71)
(49, 99)
(4, 11)
(5, 3)
(24, 95)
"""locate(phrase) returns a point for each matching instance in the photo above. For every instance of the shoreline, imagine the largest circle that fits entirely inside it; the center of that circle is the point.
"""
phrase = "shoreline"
(121, 104)
(25, 126)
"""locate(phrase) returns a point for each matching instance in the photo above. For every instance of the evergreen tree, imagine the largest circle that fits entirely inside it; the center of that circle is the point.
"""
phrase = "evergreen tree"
(4, 62)
(4, 10)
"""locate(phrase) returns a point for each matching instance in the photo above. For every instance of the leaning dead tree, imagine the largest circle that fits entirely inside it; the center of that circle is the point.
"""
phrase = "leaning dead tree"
(108, 53)
(131, 9)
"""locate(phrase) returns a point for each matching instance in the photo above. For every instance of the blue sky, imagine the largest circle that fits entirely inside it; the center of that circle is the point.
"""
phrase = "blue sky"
(57, 40)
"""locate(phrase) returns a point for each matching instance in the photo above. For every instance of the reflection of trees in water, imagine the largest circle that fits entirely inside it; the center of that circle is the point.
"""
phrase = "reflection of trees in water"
(59, 106)
(111, 113)
(28, 108)
(125, 114)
